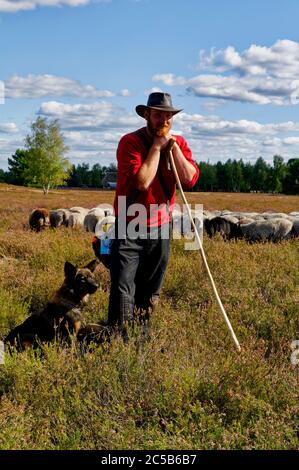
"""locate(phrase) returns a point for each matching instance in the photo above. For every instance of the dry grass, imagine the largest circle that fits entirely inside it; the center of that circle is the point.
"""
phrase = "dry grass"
(185, 387)
(251, 202)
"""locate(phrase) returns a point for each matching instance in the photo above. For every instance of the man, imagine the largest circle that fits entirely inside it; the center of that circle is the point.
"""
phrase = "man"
(138, 264)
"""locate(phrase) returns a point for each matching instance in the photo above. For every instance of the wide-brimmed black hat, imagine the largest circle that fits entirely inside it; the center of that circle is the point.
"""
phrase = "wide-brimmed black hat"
(160, 101)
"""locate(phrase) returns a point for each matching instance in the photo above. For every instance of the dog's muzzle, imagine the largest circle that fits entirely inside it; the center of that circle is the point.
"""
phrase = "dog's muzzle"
(92, 287)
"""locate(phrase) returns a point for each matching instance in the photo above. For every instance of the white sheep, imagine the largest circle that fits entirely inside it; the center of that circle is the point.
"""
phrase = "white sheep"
(269, 230)
(230, 218)
(79, 209)
(59, 217)
(76, 219)
(107, 208)
(246, 221)
(274, 215)
(92, 218)
(295, 230)
(251, 215)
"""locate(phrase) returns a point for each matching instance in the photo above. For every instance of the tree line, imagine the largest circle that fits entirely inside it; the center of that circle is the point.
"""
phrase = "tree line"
(237, 176)
(77, 176)
(42, 164)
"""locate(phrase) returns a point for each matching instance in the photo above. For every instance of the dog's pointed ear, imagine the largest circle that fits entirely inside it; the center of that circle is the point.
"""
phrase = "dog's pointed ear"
(69, 270)
(92, 265)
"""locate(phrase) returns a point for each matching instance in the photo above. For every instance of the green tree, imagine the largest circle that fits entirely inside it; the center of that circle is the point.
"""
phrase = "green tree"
(208, 177)
(229, 175)
(221, 176)
(96, 176)
(80, 176)
(261, 173)
(238, 178)
(247, 171)
(3, 176)
(46, 165)
(277, 174)
(291, 180)
(17, 165)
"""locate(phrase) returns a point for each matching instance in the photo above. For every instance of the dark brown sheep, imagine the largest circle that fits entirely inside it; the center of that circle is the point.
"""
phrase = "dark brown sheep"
(39, 219)
(227, 229)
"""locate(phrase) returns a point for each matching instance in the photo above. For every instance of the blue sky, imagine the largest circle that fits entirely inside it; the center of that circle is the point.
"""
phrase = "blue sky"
(232, 66)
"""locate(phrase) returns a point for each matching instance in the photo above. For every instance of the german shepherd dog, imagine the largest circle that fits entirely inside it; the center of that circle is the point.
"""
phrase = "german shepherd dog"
(61, 316)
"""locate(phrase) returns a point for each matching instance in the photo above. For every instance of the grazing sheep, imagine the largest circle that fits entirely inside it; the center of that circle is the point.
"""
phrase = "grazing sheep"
(198, 218)
(59, 217)
(295, 229)
(181, 224)
(207, 214)
(76, 219)
(81, 210)
(226, 228)
(274, 215)
(246, 221)
(39, 219)
(251, 215)
(214, 214)
(77, 215)
(258, 217)
(92, 218)
(107, 208)
(226, 212)
(269, 230)
(230, 218)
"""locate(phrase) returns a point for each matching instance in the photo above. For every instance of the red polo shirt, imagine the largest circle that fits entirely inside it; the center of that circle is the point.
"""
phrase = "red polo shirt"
(131, 153)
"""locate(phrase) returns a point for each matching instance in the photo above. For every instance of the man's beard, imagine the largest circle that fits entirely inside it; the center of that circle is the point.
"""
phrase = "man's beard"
(158, 131)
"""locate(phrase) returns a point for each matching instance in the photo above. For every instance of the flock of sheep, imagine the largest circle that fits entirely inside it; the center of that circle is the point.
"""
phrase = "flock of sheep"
(74, 217)
(252, 226)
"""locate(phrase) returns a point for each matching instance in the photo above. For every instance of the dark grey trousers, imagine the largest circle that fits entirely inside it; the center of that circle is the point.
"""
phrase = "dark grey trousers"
(137, 270)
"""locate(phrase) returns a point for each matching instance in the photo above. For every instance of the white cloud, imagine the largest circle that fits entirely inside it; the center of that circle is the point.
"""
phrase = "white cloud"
(92, 117)
(214, 138)
(280, 60)
(154, 89)
(8, 147)
(291, 141)
(92, 132)
(260, 75)
(13, 6)
(8, 128)
(125, 92)
(39, 86)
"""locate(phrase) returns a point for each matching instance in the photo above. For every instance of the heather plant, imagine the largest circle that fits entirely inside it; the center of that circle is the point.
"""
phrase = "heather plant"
(183, 386)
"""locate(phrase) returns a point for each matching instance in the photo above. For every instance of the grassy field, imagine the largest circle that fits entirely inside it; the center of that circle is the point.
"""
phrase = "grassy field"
(185, 387)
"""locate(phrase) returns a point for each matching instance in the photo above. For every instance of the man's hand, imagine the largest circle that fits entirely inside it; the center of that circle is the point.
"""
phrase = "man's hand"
(162, 142)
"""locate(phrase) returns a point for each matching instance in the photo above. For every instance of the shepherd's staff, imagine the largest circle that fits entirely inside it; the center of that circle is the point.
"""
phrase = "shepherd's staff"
(173, 167)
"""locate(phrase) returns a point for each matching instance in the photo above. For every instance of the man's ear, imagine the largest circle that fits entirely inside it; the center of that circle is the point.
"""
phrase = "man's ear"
(92, 265)
(69, 270)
